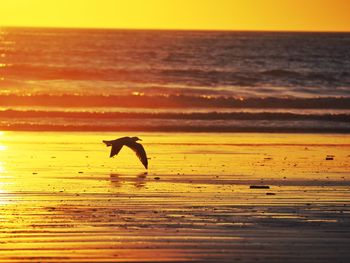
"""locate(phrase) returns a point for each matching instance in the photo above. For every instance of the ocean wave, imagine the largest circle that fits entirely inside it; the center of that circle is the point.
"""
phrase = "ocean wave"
(307, 78)
(281, 73)
(173, 101)
(46, 72)
(214, 77)
(265, 115)
(166, 126)
(266, 121)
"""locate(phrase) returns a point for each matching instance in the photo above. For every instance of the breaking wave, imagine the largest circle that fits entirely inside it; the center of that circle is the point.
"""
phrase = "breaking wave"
(174, 101)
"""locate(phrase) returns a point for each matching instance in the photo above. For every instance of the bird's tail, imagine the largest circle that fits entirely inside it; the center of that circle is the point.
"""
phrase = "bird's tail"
(108, 143)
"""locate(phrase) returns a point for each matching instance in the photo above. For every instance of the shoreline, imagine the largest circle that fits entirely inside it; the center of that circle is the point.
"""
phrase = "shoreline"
(172, 129)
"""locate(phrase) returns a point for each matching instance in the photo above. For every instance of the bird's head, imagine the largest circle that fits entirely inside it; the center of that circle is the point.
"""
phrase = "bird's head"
(136, 139)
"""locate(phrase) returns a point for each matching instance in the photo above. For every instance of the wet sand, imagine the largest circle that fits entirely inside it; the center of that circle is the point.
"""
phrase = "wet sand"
(63, 200)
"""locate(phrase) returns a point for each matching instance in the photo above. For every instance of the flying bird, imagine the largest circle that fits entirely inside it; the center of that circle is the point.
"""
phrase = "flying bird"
(130, 142)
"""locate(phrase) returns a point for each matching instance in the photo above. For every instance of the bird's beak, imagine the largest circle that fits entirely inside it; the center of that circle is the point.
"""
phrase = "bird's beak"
(140, 140)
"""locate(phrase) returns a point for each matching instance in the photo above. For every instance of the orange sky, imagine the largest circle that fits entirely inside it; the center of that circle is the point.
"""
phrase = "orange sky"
(299, 15)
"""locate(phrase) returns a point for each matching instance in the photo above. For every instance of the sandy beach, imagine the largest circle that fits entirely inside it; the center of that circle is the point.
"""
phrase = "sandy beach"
(206, 197)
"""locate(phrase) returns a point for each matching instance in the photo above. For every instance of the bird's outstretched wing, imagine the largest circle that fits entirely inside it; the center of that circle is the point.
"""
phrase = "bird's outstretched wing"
(140, 152)
(115, 149)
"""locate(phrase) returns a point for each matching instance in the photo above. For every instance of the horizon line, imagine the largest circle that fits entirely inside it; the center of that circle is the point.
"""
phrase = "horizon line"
(176, 29)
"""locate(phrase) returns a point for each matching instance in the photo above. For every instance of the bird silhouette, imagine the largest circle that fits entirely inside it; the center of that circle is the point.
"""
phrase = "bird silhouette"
(130, 142)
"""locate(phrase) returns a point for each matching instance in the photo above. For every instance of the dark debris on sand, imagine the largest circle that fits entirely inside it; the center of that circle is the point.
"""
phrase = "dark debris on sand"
(259, 187)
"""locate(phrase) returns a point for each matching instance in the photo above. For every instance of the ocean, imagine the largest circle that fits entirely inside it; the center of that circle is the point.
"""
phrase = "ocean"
(195, 81)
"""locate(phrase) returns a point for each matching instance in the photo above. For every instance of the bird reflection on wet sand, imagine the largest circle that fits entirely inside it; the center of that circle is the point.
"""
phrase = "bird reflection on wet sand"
(118, 180)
